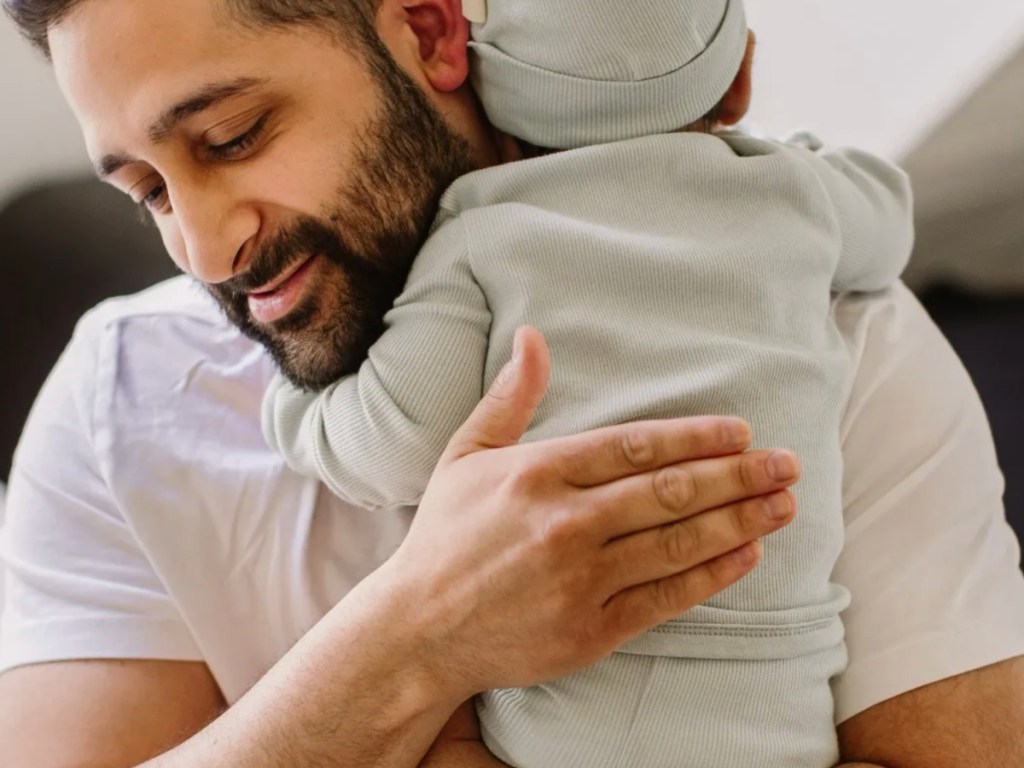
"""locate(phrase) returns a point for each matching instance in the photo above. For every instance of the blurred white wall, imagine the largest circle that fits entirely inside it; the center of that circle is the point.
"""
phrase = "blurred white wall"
(38, 135)
(876, 73)
(879, 74)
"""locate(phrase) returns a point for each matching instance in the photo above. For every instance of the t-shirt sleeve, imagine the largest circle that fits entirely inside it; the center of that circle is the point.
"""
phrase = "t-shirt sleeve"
(77, 584)
(375, 437)
(930, 560)
(874, 210)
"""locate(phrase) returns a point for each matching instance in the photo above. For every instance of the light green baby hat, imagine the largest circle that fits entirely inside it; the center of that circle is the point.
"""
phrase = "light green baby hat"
(571, 73)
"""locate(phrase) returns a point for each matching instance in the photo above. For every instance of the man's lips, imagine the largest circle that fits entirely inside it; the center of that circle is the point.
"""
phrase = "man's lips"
(270, 303)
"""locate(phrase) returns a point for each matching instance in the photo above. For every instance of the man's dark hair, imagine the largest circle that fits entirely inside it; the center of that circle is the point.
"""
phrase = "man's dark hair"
(353, 19)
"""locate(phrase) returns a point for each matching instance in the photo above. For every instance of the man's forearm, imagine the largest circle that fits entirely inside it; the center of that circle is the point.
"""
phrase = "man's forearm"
(336, 701)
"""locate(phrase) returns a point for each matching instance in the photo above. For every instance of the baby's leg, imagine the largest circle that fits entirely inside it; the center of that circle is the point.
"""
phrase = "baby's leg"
(640, 711)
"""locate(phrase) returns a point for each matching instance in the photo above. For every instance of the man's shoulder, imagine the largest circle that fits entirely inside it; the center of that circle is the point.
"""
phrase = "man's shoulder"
(877, 327)
(164, 361)
(178, 300)
(162, 332)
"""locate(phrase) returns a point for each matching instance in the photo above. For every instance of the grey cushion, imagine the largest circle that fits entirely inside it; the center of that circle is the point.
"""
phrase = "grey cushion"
(969, 184)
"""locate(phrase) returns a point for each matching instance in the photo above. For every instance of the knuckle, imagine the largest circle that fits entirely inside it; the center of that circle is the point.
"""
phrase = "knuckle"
(583, 637)
(629, 616)
(672, 595)
(747, 472)
(637, 449)
(682, 543)
(675, 489)
(579, 618)
(557, 531)
(576, 463)
(524, 479)
(723, 572)
(749, 518)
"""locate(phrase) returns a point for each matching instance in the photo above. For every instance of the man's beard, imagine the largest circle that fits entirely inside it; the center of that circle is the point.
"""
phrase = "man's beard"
(366, 241)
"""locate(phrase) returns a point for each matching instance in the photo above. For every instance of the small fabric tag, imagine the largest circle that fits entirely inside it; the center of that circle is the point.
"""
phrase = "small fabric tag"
(475, 10)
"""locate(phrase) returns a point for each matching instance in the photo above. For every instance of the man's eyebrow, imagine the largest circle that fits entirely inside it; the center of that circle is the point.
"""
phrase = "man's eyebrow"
(111, 164)
(161, 130)
(200, 101)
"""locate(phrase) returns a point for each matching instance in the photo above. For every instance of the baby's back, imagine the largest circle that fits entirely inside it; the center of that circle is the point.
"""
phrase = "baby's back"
(671, 277)
(680, 275)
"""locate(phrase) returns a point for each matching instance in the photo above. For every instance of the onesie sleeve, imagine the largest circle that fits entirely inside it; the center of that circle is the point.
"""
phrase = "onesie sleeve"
(375, 437)
(873, 204)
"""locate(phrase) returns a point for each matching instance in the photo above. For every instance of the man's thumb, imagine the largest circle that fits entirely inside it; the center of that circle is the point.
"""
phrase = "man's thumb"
(507, 409)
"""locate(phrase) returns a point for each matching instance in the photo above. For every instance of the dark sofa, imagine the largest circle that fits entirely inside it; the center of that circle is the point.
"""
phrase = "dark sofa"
(66, 247)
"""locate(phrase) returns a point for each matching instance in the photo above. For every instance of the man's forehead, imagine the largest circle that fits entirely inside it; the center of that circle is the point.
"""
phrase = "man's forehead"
(122, 64)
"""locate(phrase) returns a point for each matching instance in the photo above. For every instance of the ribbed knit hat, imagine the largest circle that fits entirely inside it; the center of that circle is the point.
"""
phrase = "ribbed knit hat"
(571, 73)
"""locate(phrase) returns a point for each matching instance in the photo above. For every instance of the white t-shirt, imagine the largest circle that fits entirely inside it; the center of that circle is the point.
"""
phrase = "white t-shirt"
(146, 517)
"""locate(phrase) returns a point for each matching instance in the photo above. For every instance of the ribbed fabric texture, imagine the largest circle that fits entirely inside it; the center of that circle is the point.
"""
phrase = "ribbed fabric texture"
(671, 712)
(572, 73)
(674, 275)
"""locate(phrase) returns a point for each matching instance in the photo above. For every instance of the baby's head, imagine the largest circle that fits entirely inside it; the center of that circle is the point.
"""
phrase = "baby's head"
(570, 73)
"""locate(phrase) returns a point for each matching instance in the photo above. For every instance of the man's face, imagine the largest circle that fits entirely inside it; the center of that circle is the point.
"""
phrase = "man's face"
(284, 171)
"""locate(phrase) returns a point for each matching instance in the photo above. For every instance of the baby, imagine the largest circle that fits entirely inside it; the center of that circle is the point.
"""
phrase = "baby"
(673, 272)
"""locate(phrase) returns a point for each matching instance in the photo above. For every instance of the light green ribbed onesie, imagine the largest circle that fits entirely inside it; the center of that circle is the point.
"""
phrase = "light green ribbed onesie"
(673, 275)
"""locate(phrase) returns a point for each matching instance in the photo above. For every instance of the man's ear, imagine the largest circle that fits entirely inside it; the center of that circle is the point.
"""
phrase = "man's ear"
(735, 105)
(442, 34)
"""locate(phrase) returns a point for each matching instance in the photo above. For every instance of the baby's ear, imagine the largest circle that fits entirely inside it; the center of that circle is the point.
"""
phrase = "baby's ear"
(736, 104)
(443, 34)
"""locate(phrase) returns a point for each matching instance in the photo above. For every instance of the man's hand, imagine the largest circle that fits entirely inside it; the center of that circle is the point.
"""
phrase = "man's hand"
(551, 555)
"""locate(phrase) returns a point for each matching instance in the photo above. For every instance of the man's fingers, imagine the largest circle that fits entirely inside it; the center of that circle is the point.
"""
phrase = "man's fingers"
(507, 409)
(660, 553)
(677, 492)
(634, 610)
(603, 455)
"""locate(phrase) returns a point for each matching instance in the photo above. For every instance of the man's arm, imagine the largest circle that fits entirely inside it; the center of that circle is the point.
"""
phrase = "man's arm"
(523, 563)
(100, 714)
(974, 720)
(937, 616)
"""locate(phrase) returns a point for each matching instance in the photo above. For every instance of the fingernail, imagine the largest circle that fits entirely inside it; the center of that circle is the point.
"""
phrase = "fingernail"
(777, 506)
(517, 347)
(735, 434)
(782, 466)
(505, 377)
(746, 556)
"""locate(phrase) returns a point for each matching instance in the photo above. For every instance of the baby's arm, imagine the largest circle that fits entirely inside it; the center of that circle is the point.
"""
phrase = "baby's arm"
(375, 437)
(874, 209)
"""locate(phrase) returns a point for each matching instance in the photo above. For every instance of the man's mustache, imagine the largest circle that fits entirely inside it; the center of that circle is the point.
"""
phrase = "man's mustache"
(303, 240)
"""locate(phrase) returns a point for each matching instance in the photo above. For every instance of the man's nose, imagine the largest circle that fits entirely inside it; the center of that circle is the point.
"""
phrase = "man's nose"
(217, 232)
